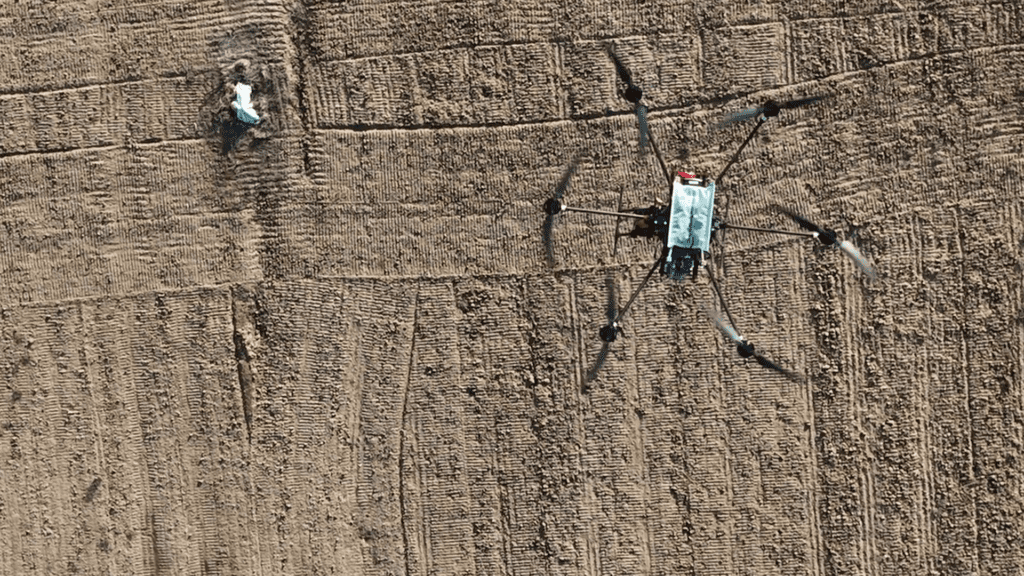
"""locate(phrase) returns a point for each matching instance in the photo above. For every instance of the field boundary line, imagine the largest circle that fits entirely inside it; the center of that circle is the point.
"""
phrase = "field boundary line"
(669, 111)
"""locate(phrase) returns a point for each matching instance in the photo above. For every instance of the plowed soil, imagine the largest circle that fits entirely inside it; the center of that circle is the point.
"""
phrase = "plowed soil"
(332, 343)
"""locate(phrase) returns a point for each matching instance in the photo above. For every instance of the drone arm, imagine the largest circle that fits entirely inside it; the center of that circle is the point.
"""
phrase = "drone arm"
(721, 300)
(638, 289)
(657, 154)
(724, 225)
(760, 121)
(604, 212)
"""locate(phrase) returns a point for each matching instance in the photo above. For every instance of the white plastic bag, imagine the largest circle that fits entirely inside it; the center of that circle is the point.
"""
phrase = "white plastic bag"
(243, 104)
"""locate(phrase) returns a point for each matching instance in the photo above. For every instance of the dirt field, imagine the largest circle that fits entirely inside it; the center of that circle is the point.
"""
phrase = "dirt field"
(331, 344)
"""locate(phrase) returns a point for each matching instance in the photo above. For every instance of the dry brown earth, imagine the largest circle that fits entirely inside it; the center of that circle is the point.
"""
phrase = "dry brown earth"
(331, 345)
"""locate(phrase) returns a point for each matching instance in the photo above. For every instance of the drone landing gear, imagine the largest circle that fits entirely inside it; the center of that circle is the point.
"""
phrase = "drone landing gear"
(654, 222)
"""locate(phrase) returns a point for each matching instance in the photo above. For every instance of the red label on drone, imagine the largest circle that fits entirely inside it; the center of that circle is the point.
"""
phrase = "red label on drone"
(685, 175)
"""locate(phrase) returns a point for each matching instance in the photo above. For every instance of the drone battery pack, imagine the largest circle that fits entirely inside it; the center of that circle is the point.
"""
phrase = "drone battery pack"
(689, 225)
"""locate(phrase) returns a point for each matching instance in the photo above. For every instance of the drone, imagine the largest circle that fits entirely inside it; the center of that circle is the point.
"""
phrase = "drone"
(687, 225)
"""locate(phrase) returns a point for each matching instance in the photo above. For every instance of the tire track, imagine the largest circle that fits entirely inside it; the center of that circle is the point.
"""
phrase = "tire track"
(549, 532)
(131, 484)
(867, 469)
(243, 320)
(647, 543)
(953, 520)
(814, 537)
(645, 455)
(589, 557)
(928, 548)
(838, 441)
(99, 490)
(728, 474)
(33, 437)
(384, 333)
(493, 359)
(800, 339)
(222, 459)
(58, 453)
(965, 370)
(709, 498)
(402, 443)
(985, 233)
(146, 560)
(182, 473)
(111, 480)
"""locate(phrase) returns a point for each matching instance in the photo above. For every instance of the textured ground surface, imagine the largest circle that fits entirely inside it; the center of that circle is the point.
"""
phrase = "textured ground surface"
(331, 345)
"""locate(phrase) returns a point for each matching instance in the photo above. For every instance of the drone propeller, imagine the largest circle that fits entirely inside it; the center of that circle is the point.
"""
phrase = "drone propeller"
(641, 117)
(611, 312)
(770, 109)
(609, 332)
(632, 94)
(745, 348)
(554, 206)
(829, 237)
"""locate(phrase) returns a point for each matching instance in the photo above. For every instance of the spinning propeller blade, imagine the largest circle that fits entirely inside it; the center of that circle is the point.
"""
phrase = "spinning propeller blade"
(598, 363)
(802, 102)
(829, 237)
(563, 182)
(724, 326)
(609, 332)
(858, 259)
(770, 109)
(632, 94)
(620, 68)
(739, 117)
(745, 348)
(806, 224)
(553, 206)
(641, 116)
